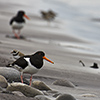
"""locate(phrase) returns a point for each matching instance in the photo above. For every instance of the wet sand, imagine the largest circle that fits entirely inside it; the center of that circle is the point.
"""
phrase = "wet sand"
(67, 66)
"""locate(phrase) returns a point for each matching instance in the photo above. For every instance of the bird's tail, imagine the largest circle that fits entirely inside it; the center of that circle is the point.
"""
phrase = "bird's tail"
(14, 66)
(9, 65)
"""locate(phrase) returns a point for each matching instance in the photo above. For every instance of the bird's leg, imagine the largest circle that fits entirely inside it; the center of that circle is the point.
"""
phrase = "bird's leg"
(16, 35)
(30, 80)
(21, 77)
(19, 33)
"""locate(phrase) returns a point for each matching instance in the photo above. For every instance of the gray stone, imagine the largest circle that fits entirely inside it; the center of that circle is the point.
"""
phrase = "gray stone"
(3, 82)
(25, 89)
(40, 85)
(11, 74)
(65, 97)
(64, 83)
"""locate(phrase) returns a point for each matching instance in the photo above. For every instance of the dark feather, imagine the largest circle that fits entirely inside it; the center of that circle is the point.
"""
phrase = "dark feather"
(21, 62)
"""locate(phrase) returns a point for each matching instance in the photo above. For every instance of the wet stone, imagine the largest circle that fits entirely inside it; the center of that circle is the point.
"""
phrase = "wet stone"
(40, 85)
(64, 83)
(3, 82)
(11, 74)
(25, 89)
(65, 97)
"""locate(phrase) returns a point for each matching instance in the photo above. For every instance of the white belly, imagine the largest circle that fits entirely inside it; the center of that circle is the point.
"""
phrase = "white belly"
(17, 25)
(30, 69)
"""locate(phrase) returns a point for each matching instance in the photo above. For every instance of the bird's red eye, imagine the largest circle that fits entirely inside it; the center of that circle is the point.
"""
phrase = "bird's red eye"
(39, 53)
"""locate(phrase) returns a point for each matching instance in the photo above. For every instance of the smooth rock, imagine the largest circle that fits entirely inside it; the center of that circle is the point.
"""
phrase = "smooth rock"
(65, 97)
(40, 85)
(3, 82)
(11, 74)
(25, 89)
(6, 96)
(64, 83)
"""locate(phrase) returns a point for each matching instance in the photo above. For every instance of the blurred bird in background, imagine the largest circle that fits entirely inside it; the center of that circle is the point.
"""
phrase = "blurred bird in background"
(49, 15)
(18, 22)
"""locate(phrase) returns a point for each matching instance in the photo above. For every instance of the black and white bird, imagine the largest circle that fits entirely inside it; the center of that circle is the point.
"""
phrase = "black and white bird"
(30, 64)
(16, 54)
(18, 22)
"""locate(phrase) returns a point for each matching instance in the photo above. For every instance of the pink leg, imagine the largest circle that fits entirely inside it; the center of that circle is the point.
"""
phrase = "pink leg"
(30, 80)
(16, 35)
(19, 32)
(21, 78)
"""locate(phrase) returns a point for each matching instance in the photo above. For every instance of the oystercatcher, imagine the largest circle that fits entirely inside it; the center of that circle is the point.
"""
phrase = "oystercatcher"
(30, 64)
(18, 22)
(16, 54)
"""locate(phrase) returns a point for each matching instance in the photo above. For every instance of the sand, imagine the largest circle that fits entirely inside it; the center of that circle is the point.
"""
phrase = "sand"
(66, 59)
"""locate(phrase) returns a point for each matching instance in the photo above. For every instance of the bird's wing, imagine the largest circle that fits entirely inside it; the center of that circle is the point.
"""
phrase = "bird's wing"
(11, 21)
(21, 62)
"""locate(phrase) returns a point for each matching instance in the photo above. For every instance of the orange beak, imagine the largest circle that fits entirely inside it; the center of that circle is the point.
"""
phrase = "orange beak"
(26, 17)
(48, 59)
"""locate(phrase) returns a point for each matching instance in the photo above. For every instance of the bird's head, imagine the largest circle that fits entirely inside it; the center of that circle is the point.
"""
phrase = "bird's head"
(14, 51)
(22, 14)
(42, 54)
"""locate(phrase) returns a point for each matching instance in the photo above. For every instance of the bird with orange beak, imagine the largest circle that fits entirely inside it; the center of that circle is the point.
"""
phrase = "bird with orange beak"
(30, 64)
(18, 22)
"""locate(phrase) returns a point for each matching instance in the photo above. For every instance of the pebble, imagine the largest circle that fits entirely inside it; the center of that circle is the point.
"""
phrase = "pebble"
(11, 74)
(3, 82)
(25, 89)
(40, 85)
(65, 97)
(62, 82)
